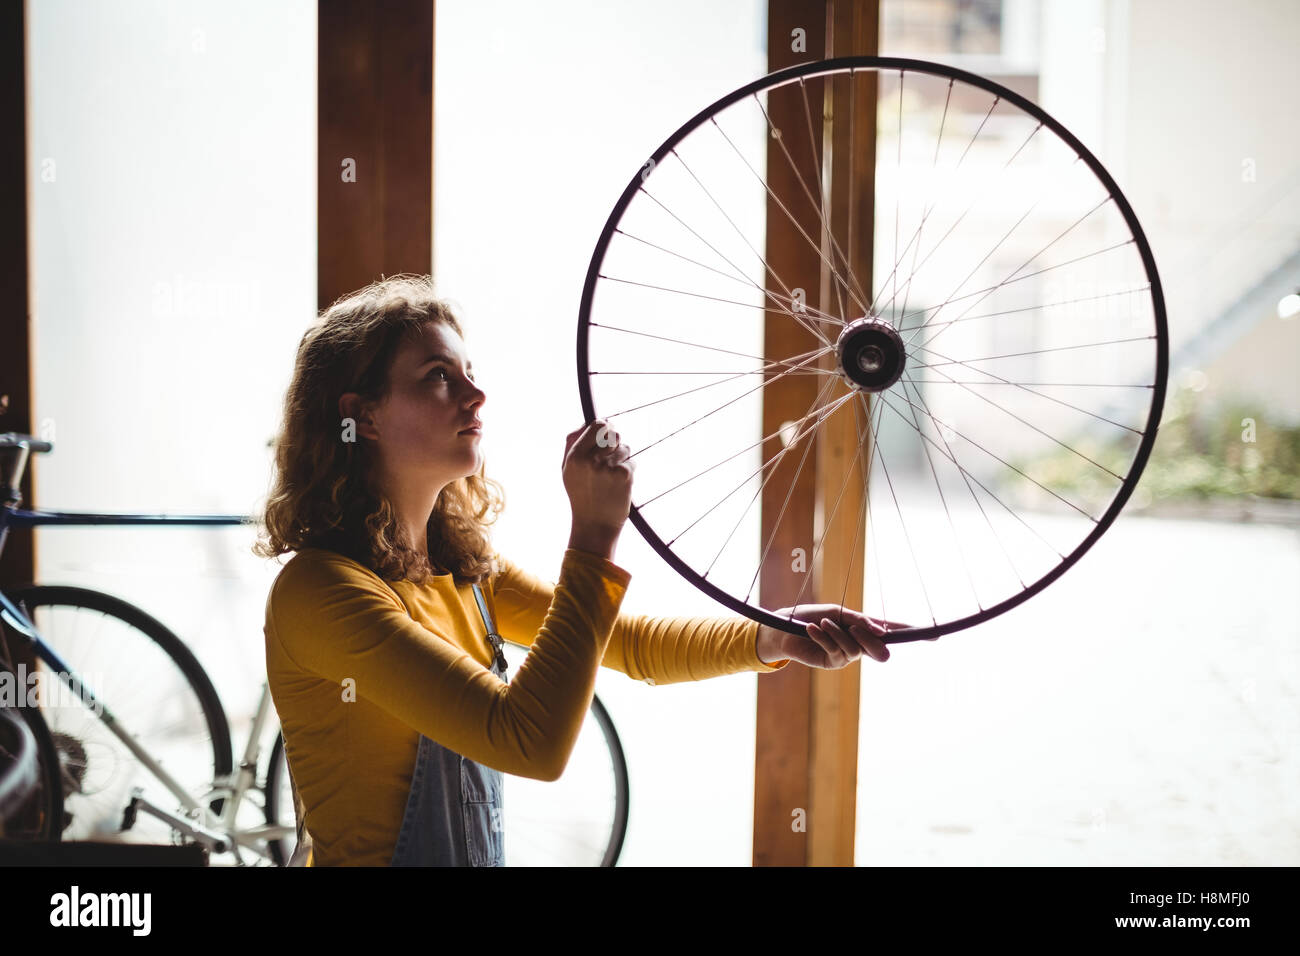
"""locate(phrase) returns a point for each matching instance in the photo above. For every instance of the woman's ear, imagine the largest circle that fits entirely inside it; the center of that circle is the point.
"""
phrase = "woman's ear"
(356, 418)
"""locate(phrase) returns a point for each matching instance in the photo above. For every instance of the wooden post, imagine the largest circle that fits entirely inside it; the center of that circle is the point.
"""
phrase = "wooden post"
(849, 167)
(796, 33)
(374, 153)
(18, 563)
(807, 727)
(375, 142)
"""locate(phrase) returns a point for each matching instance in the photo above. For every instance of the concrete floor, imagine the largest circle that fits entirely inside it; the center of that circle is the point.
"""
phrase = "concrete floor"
(1141, 710)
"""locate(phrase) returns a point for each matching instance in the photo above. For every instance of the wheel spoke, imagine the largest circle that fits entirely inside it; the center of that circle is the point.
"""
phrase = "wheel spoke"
(714, 411)
(952, 457)
(998, 245)
(821, 413)
(1035, 308)
(916, 235)
(739, 272)
(934, 166)
(1028, 275)
(787, 302)
(862, 434)
(730, 378)
(1033, 392)
(740, 232)
(943, 424)
(791, 366)
(1054, 241)
(774, 461)
(782, 206)
(956, 541)
(1011, 511)
(967, 211)
(776, 525)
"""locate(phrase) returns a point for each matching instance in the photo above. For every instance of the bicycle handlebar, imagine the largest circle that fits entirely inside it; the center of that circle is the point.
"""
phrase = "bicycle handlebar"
(30, 442)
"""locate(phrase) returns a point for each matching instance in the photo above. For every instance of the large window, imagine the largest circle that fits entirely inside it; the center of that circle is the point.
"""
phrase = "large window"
(544, 113)
(172, 185)
(1132, 713)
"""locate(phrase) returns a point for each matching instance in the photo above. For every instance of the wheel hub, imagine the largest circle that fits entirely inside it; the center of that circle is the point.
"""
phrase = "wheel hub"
(870, 354)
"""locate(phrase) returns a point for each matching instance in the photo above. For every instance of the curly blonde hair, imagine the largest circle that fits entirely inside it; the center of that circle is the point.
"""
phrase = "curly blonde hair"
(323, 492)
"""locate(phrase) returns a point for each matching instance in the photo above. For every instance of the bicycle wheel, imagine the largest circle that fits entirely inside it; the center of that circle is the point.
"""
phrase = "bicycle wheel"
(1000, 361)
(39, 817)
(279, 802)
(580, 819)
(151, 684)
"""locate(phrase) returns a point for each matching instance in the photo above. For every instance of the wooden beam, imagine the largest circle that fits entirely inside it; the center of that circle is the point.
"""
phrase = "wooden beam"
(807, 724)
(374, 149)
(796, 33)
(375, 142)
(849, 169)
(18, 563)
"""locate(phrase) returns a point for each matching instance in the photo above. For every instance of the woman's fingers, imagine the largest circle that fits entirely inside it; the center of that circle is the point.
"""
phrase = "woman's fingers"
(841, 648)
(843, 639)
(871, 642)
(830, 650)
(856, 634)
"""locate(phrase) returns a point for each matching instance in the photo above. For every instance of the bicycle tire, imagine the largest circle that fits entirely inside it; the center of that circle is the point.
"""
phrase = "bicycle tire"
(45, 803)
(281, 853)
(597, 778)
(983, 606)
(39, 601)
(622, 788)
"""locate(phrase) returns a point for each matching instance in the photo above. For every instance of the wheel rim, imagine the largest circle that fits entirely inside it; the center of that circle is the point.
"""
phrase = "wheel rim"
(1050, 296)
(38, 815)
(580, 819)
(139, 681)
(280, 810)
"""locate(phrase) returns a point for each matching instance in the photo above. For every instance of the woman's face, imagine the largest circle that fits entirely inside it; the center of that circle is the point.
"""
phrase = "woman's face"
(432, 398)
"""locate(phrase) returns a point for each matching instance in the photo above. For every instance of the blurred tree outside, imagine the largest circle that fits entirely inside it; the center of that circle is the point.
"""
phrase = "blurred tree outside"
(1206, 448)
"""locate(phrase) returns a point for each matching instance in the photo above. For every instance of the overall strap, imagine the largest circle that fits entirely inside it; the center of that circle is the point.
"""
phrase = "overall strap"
(493, 637)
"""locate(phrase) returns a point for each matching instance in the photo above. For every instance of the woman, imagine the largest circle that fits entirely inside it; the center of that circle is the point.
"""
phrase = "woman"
(397, 722)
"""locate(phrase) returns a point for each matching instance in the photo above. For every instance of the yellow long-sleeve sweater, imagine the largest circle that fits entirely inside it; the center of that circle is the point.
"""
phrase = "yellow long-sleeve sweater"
(359, 668)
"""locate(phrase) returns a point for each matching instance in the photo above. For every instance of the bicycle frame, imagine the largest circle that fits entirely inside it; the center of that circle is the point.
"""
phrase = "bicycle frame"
(221, 835)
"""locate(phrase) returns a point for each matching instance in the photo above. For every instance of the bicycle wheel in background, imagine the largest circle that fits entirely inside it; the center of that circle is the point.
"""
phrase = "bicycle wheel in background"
(155, 688)
(1001, 369)
(580, 819)
(278, 791)
(38, 818)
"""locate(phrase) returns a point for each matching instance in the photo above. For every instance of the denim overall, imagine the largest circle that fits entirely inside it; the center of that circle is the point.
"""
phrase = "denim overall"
(454, 811)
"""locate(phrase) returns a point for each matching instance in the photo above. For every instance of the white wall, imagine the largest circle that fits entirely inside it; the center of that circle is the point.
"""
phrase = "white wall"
(1212, 145)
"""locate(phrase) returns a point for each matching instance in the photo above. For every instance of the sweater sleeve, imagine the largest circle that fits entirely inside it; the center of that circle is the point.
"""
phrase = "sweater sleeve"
(657, 650)
(338, 620)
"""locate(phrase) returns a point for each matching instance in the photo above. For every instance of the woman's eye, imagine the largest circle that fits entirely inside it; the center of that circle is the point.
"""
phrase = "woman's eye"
(442, 371)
